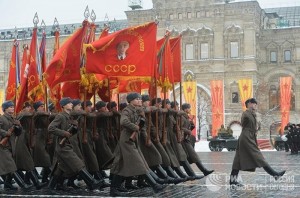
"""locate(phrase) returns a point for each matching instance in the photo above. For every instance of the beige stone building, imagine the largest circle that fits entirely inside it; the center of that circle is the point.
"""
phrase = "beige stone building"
(224, 41)
(230, 41)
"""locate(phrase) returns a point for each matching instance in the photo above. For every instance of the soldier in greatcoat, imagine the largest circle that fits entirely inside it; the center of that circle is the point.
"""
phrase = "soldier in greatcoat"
(40, 138)
(129, 160)
(10, 128)
(248, 156)
(24, 159)
(187, 145)
(113, 125)
(69, 164)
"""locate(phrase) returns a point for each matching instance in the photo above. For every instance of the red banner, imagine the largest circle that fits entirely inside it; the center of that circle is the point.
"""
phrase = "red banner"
(65, 65)
(128, 52)
(176, 57)
(12, 83)
(285, 100)
(217, 91)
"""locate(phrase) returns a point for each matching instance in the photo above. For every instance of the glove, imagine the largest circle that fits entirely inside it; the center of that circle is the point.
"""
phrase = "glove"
(67, 134)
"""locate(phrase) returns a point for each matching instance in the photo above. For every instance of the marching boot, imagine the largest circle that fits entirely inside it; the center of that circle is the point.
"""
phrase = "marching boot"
(98, 176)
(273, 173)
(89, 180)
(20, 181)
(34, 178)
(182, 175)
(172, 174)
(170, 180)
(104, 175)
(155, 186)
(156, 178)
(7, 183)
(53, 182)
(37, 173)
(141, 182)
(27, 178)
(188, 169)
(203, 169)
(71, 182)
(129, 185)
(233, 178)
(1, 181)
(45, 174)
(115, 187)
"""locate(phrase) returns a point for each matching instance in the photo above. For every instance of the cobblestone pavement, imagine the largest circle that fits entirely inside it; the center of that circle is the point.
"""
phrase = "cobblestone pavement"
(257, 184)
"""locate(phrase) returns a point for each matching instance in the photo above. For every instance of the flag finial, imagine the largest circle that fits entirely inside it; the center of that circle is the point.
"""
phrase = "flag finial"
(35, 19)
(55, 25)
(93, 16)
(86, 13)
(43, 25)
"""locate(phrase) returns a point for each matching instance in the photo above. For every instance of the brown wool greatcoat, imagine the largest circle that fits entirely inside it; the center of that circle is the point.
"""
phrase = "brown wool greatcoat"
(176, 145)
(23, 158)
(103, 152)
(151, 154)
(129, 160)
(41, 156)
(248, 156)
(68, 160)
(192, 156)
(88, 146)
(7, 163)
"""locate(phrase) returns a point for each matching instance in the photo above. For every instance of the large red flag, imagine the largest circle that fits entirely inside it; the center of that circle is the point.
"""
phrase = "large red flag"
(217, 92)
(128, 52)
(65, 65)
(13, 78)
(71, 89)
(35, 91)
(285, 100)
(22, 90)
(176, 57)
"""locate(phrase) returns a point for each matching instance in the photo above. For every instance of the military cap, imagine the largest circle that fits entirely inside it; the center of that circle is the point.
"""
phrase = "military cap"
(100, 104)
(173, 104)
(37, 104)
(185, 106)
(76, 102)
(167, 101)
(145, 98)
(156, 100)
(250, 100)
(111, 105)
(131, 96)
(123, 105)
(7, 104)
(26, 104)
(65, 101)
(86, 103)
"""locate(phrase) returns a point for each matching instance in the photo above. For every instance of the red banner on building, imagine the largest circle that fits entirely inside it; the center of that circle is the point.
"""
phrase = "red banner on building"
(285, 100)
(217, 103)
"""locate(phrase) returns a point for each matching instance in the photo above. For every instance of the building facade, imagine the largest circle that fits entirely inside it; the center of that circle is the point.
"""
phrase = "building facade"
(229, 42)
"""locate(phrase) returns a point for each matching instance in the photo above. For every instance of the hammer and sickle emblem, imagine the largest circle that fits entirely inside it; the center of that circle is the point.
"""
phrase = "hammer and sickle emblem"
(31, 80)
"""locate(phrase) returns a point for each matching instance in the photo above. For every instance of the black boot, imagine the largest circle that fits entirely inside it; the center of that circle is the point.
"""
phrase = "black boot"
(34, 178)
(27, 178)
(181, 174)
(104, 175)
(203, 169)
(188, 169)
(172, 174)
(165, 176)
(7, 183)
(71, 182)
(98, 176)
(156, 178)
(155, 186)
(234, 177)
(20, 181)
(141, 182)
(273, 173)
(53, 182)
(129, 185)
(1, 181)
(89, 180)
(45, 174)
(115, 186)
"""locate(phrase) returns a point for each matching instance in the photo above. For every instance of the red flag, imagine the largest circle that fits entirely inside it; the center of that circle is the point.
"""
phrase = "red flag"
(35, 91)
(70, 89)
(164, 71)
(42, 51)
(176, 57)
(126, 86)
(13, 73)
(65, 65)
(217, 95)
(104, 32)
(285, 101)
(22, 90)
(56, 42)
(128, 52)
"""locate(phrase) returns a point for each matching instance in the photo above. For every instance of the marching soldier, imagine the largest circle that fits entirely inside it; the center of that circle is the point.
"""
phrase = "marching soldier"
(186, 143)
(40, 139)
(10, 128)
(113, 125)
(103, 152)
(24, 160)
(129, 160)
(69, 164)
